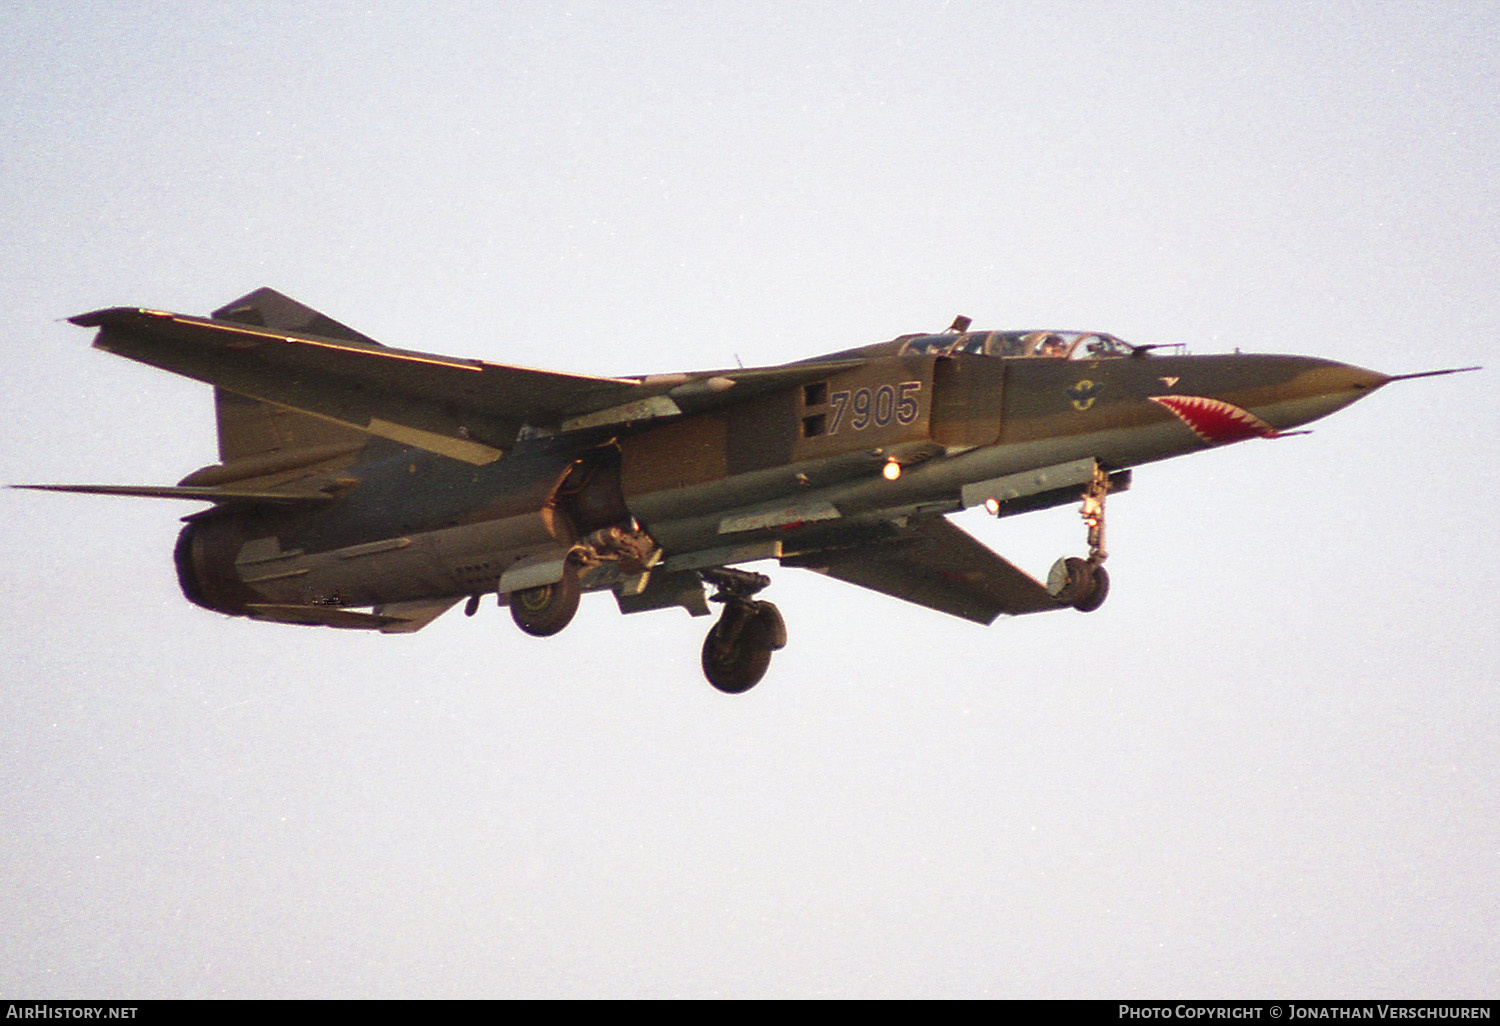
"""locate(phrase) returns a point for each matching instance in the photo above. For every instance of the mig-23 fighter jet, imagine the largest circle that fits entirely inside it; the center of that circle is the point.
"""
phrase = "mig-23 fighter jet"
(362, 486)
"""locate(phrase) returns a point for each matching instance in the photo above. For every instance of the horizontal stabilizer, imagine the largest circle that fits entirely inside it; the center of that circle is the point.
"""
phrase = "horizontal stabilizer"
(935, 564)
(202, 494)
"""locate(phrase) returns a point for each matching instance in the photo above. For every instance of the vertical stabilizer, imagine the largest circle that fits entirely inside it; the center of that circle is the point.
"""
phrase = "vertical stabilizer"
(268, 308)
(249, 427)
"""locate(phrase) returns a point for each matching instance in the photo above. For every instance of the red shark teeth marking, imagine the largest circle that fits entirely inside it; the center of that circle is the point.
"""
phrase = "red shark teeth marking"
(1214, 420)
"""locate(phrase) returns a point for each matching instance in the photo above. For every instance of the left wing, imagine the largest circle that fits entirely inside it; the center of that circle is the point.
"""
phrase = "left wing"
(462, 408)
(466, 409)
(938, 565)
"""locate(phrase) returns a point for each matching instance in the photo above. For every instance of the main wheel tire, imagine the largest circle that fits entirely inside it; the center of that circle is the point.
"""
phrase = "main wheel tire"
(736, 668)
(543, 611)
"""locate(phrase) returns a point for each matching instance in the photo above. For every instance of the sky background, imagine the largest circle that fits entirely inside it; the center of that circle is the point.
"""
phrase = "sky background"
(1268, 767)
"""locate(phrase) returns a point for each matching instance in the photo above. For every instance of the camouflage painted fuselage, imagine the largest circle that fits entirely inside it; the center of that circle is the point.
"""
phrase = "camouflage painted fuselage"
(361, 486)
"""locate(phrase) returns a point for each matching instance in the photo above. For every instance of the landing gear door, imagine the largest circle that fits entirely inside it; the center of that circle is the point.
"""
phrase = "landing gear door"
(966, 404)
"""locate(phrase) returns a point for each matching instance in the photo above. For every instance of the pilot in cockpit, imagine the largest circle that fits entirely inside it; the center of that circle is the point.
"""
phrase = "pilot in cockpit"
(1052, 345)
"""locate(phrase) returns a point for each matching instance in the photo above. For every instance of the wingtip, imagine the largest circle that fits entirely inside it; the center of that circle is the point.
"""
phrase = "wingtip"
(113, 314)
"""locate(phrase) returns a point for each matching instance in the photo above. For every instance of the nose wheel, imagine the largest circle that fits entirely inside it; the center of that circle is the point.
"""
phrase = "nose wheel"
(1084, 583)
(737, 651)
(1078, 583)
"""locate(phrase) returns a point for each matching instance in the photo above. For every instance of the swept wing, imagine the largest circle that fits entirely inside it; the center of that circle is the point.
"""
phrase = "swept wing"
(466, 409)
(938, 565)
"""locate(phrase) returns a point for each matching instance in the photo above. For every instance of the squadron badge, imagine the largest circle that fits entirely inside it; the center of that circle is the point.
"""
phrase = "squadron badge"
(1083, 394)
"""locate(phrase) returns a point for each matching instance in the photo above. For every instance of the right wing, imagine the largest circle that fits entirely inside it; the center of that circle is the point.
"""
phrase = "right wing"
(938, 565)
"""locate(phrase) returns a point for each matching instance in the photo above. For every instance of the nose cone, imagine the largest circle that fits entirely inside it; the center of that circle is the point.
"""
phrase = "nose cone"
(1300, 389)
(1227, 399)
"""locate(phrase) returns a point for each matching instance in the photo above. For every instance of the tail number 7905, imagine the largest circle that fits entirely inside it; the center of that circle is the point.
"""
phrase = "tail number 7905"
(865, 407)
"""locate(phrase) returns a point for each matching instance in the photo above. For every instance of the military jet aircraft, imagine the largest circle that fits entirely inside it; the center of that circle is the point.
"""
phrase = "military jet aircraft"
(362, 486)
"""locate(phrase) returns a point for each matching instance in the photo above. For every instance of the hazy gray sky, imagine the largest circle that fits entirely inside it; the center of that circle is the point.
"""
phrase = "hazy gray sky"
(1267, 767)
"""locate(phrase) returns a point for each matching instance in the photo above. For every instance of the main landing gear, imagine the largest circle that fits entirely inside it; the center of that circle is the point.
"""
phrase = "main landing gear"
(542, 612)
(1084, 583)
(738, 648)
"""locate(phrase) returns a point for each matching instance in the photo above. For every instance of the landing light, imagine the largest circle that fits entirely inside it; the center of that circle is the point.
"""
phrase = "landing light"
(891, 470)
(992, 506)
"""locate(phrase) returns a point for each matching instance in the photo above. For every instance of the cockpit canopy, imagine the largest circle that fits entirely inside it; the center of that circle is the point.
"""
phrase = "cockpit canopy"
(1056, 345)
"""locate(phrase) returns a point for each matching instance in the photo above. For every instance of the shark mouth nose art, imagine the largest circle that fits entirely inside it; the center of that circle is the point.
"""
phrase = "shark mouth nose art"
(1214, 420)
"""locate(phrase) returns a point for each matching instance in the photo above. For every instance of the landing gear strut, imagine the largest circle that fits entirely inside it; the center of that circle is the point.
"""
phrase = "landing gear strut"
(1084, 583)
(738, 648)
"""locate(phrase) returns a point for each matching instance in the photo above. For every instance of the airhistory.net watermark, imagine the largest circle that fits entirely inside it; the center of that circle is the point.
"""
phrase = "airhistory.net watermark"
(41, 1010)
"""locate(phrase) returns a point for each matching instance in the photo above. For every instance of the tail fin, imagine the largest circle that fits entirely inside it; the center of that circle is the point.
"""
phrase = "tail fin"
(249, 427)
(267, 308)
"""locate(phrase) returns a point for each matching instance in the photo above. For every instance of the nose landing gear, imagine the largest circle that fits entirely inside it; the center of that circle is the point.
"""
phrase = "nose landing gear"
(1084, 583)
(1078, 583)
(738, 648)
